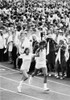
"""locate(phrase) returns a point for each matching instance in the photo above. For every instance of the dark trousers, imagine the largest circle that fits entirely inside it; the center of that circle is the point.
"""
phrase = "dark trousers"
(68, 68)
(61, 67)
(1, 54)
(32, 66)
(19, 63)
(5, 56)
(14, 55)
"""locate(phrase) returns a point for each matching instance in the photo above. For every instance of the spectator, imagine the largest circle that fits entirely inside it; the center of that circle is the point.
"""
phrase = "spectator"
(1, 46)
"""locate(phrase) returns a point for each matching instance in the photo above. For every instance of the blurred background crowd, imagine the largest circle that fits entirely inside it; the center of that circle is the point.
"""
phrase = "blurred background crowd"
(53, 15)
(26, 22)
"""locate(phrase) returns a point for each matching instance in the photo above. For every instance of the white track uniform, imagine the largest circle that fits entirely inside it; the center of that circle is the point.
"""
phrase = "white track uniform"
(26, 61)
(41, 60)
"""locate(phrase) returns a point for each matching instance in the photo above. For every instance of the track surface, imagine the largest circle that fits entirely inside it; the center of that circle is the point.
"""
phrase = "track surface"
(9, 80)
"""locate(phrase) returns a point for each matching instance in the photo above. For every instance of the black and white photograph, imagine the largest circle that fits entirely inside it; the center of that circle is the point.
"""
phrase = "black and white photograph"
(34, 49)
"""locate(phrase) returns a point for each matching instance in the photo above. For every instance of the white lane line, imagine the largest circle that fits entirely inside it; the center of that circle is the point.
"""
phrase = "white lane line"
(2, 69)
(21, 94)
(18, 82)
(8, 68)
(55, 82)
(9, 73)
(36, 87)
(37, 77)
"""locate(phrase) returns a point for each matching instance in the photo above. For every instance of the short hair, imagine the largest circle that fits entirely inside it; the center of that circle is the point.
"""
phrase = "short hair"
(26, 50)
(42, 43)
(18, 28)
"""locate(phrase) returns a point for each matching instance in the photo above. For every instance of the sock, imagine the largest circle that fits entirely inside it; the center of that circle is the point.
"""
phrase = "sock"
(20, 84)
(30, 79)
(45, 85)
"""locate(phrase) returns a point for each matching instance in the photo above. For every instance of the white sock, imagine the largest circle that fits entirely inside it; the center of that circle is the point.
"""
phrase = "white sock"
(30, 79)
(21, 83)
(45, 85)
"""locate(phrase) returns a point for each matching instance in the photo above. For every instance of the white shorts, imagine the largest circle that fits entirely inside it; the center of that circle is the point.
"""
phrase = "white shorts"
(40, 65)
(25, 66)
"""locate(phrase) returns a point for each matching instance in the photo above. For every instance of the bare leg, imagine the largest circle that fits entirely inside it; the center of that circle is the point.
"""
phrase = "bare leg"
(45, 78)
(33, 74)
(44, 70)
(24, 78)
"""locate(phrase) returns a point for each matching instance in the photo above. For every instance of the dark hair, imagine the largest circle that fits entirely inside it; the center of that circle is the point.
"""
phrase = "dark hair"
(18, 28)
(42, 43)
(26, 50)
(1, 33)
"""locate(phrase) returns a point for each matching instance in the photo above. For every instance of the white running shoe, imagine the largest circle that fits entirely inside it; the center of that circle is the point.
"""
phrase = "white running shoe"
(30, 80)
(57, 77)
(61, 78)
(19, 89)
(46, 89)
(50, 75)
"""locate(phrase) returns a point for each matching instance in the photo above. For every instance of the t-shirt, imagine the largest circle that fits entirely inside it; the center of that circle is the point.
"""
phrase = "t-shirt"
(26, 61)
(10, 46)
(16, 40)
(26, 43)
(10, 38)
(41, 60)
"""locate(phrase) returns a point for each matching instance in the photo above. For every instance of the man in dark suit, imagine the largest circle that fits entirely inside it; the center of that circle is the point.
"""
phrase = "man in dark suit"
(14, 55)
(68, 66)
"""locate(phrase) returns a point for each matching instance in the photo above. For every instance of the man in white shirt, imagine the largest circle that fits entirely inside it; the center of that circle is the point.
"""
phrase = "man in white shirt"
(26, 42)
(10, 46)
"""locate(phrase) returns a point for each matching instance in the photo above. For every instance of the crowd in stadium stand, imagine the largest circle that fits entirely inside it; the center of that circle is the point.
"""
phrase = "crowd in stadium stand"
(25, 23)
